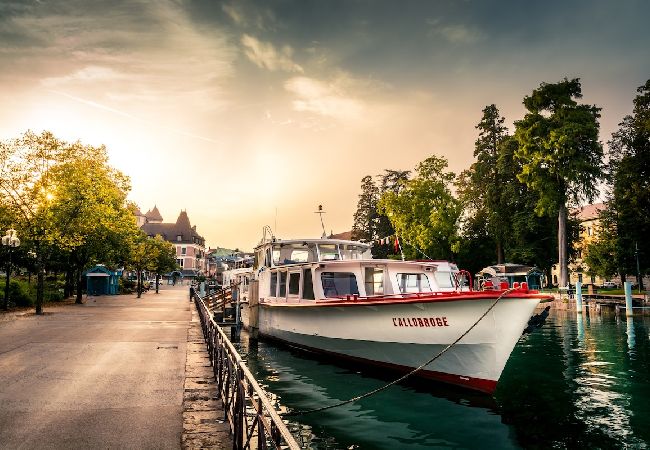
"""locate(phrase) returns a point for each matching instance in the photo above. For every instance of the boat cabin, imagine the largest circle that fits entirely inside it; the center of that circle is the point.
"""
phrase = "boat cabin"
(491, 277)
(306, 270)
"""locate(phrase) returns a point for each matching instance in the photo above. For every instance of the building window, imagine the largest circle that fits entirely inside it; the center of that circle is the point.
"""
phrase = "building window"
(179, 237)
(183, 250)
(180, 262)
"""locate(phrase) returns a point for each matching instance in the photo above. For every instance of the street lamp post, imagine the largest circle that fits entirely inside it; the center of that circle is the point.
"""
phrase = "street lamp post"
(11, 241)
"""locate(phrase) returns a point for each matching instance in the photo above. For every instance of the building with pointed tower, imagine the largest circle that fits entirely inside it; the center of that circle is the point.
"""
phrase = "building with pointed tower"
(190, 245)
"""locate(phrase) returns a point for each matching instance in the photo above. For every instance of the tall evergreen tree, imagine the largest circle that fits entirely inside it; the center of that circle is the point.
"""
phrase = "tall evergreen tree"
(560, 153)
(364, 227)
(487, 181)
(629, 198)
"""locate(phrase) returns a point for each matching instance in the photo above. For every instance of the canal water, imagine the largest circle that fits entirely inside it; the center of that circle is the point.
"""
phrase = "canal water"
(577, 382)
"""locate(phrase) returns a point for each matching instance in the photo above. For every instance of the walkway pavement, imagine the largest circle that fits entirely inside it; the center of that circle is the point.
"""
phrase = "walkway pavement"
(106, 374)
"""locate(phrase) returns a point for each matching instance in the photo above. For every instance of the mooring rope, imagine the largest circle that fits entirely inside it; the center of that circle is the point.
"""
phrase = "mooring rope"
(405, 376)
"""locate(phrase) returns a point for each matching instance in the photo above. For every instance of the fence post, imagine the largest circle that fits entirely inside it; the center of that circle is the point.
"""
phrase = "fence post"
(579, 297)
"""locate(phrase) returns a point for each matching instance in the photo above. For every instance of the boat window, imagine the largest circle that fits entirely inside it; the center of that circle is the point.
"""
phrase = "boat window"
(339, 283)
(374, 280)
(294, 283)
(274, 284)
(328, 252)
(299, 255)
(351, 251)
(276, 256)
(307, 285)
(444, 279)
(283, 284)
(413, 282)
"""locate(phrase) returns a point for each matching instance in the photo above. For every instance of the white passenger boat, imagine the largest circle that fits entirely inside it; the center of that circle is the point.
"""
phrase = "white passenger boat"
(330, 296)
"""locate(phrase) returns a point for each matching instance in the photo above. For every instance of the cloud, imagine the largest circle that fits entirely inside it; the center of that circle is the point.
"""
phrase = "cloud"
(455, 34)
(249, 15)
(88, 74)
(325, 99)
(149, 52)
(266, 56)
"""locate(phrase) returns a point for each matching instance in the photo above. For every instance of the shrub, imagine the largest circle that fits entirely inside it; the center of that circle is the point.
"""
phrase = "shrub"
(126, 286)
(18, 293)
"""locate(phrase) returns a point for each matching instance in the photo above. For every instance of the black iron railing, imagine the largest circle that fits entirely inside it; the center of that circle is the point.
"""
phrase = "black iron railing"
(254, 422)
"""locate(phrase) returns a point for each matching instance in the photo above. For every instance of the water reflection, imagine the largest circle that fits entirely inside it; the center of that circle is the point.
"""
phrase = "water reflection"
(578, 382)
(581, 330)
(630, 334)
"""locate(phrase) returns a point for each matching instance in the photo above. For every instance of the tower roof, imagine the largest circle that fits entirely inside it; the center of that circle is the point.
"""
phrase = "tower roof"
(154, 214)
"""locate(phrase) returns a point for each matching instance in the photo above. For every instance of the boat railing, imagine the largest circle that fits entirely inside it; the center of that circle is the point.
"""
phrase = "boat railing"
(254, 422)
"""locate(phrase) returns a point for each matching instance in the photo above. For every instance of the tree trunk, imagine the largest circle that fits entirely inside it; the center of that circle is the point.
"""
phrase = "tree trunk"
(79, 285)
(68, 287)
(500, 256)
(157, 278)
(40, 284)
(139, 285)
(562, 246)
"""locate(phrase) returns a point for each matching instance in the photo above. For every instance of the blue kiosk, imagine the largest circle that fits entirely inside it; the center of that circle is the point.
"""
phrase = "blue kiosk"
(101, 281)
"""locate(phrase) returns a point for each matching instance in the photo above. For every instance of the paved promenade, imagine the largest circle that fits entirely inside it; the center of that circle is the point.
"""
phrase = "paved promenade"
(106, 374)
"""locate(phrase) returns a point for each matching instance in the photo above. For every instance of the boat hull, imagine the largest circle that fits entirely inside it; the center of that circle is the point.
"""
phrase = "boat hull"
(403, 336)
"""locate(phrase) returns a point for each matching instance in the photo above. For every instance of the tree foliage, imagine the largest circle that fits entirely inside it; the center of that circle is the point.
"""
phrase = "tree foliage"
(481, 187)
(628, 203)
(165, 258)
(560, 153)
(424, 211)
(68, 204)
(364, 227)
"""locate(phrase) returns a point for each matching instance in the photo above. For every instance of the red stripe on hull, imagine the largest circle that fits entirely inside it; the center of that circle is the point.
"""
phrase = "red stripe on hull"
(476, 384)
(402, 299)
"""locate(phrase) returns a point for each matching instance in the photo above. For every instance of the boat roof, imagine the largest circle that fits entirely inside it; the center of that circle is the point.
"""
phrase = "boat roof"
(509, 269)
(321, 241)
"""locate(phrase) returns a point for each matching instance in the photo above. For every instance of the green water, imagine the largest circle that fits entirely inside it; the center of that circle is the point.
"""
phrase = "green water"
(578, 382)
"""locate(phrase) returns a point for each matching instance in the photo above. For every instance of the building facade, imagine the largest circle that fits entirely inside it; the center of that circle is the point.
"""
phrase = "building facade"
(589, 218)
(190, 245)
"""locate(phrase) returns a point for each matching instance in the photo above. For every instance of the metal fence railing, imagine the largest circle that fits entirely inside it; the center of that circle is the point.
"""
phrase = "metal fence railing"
(254, 422)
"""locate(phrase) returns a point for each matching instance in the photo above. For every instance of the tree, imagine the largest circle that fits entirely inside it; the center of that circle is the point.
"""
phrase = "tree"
(370, 224)
(481, 187)
(91, 213)
(602, 254)
(560, 154)
(423, 211)
(165, 260)
(628, 204)
(27, 190)
(364, 227)
(143, 256)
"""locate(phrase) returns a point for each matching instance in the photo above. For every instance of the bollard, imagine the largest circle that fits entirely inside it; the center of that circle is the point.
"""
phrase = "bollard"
(579, 297)
(628, 298)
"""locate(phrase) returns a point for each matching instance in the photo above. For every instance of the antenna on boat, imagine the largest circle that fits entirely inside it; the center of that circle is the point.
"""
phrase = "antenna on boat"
(320, 212)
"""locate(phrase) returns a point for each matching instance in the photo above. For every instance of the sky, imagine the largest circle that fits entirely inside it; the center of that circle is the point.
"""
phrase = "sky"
(252, 113)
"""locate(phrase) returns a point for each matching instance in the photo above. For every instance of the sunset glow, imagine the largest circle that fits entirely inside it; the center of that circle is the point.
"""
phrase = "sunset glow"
(252, 113)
